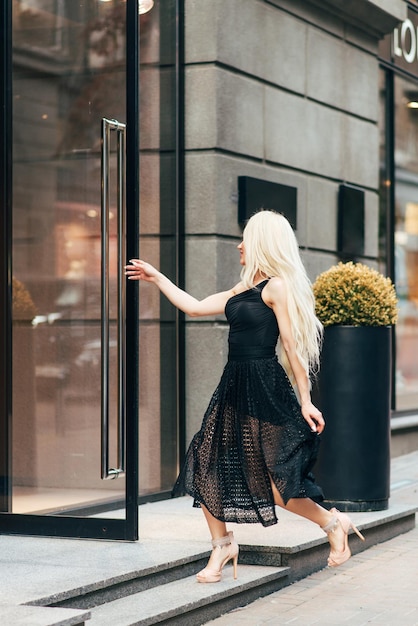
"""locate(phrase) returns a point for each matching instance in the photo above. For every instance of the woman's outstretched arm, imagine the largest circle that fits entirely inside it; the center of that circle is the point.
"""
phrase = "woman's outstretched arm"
(212, 305)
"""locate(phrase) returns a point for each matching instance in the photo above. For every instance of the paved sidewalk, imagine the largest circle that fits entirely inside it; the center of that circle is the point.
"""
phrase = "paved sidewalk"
(378, 586)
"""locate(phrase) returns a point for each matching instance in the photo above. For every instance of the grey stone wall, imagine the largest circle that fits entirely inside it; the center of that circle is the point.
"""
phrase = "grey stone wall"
(286, 91)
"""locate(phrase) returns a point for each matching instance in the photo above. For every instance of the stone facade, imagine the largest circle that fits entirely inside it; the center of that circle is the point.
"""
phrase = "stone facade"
(285, 91)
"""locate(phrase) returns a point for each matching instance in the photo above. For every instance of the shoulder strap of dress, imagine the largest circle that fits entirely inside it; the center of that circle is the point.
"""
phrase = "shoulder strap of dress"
(261, 285)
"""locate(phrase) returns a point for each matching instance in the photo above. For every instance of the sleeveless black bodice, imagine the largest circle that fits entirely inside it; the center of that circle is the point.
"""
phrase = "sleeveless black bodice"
(253, 326)
(253, 429)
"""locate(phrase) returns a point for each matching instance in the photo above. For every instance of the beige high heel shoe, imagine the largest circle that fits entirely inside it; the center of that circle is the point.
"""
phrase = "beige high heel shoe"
(340, 519)
(227, 549)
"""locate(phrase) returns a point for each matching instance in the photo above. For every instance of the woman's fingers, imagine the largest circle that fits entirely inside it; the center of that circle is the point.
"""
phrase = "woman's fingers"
(133, 270)
(313, 418)
(140, 270)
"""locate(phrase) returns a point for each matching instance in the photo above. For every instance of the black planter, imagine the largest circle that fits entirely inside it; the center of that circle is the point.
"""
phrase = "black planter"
(353, 393)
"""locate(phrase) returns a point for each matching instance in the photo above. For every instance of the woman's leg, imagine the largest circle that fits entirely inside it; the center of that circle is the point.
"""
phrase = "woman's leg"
(217, 528)
(305, 507)
(224, 549)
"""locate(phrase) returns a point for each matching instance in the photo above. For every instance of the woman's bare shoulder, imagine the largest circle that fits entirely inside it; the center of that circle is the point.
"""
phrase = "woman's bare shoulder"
(275, 290)
(238, 288)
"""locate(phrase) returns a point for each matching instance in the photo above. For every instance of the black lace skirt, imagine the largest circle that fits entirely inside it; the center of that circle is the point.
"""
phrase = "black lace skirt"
(252, 430)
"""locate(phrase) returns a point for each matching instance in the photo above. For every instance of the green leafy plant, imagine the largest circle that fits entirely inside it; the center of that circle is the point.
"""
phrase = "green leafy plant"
(23, 306)
(353, 294)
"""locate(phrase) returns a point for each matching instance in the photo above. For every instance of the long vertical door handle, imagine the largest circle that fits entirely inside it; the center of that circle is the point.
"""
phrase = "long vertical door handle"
(107, 127)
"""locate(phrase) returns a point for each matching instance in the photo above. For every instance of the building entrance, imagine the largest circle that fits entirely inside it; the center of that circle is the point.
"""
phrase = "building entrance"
(71, 159)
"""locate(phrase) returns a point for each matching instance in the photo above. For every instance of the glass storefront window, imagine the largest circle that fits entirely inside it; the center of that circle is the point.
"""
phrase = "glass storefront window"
(158, 425)
(406, 240)
(69, 71)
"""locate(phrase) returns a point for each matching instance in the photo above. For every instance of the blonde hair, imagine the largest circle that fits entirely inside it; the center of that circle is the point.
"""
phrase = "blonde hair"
(271, 250)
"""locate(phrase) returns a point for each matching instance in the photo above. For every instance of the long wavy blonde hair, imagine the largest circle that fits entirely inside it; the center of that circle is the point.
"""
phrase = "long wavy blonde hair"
(271, 250)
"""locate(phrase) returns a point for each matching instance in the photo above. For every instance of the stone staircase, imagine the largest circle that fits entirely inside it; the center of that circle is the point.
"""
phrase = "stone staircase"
(167, 593)
(171, 595)
(185, 602)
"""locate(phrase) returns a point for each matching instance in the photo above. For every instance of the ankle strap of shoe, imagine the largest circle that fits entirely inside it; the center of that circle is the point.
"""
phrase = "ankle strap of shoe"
(331, 526)
(222, 541)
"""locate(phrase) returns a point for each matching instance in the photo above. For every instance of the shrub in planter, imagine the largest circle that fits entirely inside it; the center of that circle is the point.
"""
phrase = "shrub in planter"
(353, 294)
(357, 306)
(23, 306)
(23, 389)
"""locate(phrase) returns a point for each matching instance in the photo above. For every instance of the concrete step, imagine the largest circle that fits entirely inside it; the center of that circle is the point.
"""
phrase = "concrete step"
(186, 602)
(308, 557)
(167, 591)
(131, 582)
(153, 581)
(21, 615)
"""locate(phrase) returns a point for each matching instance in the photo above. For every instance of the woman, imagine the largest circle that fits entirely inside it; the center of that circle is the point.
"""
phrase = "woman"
(257, 443)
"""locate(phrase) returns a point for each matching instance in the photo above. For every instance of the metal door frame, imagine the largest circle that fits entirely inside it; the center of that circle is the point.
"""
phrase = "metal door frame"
(60, 525)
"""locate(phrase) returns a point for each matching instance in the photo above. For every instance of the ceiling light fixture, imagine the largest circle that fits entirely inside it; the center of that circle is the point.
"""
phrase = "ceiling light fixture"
(144, 6)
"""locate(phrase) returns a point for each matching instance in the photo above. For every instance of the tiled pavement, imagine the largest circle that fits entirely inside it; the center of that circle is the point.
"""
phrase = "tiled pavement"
(378, 586)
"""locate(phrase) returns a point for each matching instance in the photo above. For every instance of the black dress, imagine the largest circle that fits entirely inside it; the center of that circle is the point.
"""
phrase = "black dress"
(253, 427)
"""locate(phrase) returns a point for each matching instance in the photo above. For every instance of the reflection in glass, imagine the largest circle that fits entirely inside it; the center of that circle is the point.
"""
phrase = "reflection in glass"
(68, 73)
(158, 428)
(406, 242)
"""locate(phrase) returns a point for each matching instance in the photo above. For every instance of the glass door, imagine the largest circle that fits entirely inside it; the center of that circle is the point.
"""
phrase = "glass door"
(74, 158)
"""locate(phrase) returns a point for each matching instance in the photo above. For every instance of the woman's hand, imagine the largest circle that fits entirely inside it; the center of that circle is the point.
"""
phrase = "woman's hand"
(313, 417)
(140, 270)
